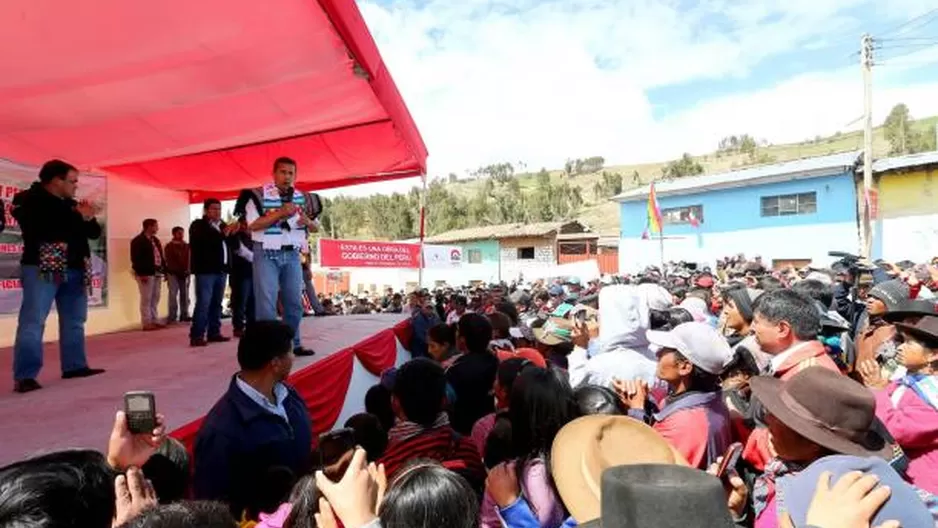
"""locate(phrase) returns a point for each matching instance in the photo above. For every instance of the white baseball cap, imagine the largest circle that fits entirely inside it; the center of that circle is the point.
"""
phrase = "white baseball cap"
(700, 343)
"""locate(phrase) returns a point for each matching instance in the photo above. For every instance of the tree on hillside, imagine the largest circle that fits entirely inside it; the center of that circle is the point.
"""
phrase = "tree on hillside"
(636, 179)
(898, 129)
(902, 139)
(575, 167)
(609, 186)
(744, 143)
(685, 166)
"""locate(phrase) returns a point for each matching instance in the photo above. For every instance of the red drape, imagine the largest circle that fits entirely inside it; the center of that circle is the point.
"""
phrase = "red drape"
(324, 384)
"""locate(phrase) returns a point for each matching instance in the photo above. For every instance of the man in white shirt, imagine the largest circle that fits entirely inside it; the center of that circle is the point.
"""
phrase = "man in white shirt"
(279, 218)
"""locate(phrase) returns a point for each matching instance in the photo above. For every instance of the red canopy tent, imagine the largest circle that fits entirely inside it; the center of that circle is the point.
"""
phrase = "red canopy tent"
(203, 95)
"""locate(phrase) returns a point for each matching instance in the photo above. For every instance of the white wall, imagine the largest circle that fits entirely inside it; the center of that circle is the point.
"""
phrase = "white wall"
(128, 204)
(799, 242)
(912, 238)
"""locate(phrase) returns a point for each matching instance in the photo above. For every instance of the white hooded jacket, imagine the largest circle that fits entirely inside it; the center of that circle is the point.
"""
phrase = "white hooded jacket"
(624, 353)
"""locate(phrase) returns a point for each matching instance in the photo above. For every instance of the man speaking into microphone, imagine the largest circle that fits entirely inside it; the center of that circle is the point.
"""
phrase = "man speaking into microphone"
(280, 218)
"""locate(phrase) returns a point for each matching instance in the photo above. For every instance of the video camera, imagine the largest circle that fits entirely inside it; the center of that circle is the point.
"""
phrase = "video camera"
(850, 262)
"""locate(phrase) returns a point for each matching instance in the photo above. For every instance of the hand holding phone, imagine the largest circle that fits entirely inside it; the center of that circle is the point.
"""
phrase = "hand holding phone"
(140, 408)
(729, 460)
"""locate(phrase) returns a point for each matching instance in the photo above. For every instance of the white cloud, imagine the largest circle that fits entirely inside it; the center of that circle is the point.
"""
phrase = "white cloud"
(497, 80)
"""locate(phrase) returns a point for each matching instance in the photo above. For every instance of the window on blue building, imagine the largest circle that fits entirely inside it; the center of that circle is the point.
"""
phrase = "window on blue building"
(475, 256)
(682, 215)
(789, 204)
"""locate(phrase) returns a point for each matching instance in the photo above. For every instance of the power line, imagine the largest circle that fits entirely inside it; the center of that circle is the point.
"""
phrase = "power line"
(916, 50)
(908, 39)
(907, 46)
(927, 16)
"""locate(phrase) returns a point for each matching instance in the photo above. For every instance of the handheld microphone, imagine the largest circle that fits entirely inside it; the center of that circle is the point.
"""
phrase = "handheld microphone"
(286, 197)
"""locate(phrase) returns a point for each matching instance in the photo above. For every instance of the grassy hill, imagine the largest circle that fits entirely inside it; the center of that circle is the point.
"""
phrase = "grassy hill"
(603, 216)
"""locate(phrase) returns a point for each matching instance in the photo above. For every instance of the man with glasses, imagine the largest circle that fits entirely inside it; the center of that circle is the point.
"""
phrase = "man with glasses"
(56, 266)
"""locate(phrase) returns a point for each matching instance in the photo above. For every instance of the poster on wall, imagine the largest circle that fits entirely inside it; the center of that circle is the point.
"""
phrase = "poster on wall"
(442, 257)
(15, 178)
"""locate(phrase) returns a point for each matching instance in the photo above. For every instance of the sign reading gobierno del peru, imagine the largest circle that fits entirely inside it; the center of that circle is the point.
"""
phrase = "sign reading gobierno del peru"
(15, 178)
(365, 254)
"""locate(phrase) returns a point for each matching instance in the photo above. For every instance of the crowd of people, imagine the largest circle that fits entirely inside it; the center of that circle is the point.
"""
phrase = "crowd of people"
(679, 397)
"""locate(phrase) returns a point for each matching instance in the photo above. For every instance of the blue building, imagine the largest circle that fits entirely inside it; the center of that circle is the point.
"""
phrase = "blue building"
(789, 213)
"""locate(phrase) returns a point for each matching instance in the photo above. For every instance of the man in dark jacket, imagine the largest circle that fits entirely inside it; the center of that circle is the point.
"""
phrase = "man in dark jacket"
(241, 279)
(177, 276)
(210, 264)
(472, 375)
(146, 258)
(56, 266)
(260, 424)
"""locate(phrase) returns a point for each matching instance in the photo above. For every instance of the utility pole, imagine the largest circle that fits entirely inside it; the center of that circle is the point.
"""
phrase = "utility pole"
(866, 66)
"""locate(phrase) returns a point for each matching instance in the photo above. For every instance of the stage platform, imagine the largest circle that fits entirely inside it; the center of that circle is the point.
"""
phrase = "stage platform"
(186, 381)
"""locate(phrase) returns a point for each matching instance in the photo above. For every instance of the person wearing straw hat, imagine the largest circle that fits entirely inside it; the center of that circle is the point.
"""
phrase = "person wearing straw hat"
(693, 417)
(581, 452)
(813, 414)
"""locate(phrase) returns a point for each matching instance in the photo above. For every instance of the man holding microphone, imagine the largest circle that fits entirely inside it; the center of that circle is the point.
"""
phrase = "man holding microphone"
(280, 218)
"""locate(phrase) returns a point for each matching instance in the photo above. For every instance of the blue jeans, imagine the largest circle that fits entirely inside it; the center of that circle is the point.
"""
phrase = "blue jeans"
(242, 300)
(279, 272)
(209, 292)
(71, 303)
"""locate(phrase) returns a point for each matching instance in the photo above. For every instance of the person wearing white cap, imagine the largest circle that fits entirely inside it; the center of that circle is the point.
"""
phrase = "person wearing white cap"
(693, 416)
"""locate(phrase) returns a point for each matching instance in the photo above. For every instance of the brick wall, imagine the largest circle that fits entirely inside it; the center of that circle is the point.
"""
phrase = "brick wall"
(512, 266)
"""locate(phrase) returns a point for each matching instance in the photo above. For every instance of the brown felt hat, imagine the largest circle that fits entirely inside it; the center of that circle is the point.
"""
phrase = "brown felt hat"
(589, 445)
(827, 408)
(926, 327)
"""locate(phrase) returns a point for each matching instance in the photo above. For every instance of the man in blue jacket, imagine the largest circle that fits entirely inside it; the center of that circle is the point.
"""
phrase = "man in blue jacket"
(260, 427)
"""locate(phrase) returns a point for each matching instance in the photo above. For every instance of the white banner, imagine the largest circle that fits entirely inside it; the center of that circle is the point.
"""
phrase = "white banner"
(442, 257)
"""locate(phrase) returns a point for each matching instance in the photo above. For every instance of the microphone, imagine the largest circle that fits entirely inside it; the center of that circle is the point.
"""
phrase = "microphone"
(286, 197)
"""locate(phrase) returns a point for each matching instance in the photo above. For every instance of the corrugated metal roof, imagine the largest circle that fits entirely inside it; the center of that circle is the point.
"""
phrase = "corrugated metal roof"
(905, 162)
(495, 232)
(737, 178)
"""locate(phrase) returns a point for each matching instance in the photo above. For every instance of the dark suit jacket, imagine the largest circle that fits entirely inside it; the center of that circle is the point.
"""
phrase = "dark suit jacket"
(142, 256)
(206, 245)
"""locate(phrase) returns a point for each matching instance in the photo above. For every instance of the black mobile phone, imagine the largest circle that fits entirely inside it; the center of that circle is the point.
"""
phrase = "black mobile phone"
(334, 444)
(730, 459)
(140, 408)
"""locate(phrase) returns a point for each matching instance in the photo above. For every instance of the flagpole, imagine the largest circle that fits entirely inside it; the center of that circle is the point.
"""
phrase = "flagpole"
(664, 272)
(423, 227)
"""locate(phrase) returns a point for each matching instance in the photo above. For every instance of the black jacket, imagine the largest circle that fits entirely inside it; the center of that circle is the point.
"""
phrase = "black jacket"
(240, 266)
(141, 256)
(239, 442)
(471, 377)
(206, 245)
(46, 218)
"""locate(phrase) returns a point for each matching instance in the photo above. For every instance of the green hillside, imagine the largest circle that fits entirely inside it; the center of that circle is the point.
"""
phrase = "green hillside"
(496, 192)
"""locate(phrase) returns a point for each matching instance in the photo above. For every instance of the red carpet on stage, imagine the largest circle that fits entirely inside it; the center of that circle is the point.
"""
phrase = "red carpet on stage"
(351, 352)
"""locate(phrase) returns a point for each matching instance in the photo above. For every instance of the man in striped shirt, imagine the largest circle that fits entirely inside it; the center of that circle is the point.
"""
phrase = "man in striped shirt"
(422, 430)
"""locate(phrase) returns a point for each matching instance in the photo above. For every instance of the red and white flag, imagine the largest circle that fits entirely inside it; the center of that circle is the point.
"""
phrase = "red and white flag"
(692, 218)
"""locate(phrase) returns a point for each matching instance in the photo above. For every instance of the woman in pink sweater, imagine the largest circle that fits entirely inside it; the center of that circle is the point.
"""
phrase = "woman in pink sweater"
(909, 406)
